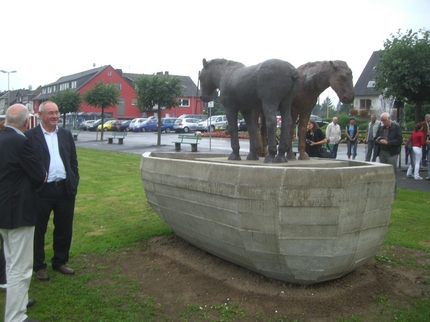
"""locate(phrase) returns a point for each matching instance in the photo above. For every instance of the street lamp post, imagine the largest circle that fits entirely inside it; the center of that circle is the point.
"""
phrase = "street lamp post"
(8, 82)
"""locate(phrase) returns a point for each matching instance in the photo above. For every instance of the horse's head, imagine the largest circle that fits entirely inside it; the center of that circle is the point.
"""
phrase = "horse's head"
(341, 81)
(207, 82)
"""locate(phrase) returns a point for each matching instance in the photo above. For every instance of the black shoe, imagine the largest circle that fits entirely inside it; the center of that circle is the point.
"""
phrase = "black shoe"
(31, 302)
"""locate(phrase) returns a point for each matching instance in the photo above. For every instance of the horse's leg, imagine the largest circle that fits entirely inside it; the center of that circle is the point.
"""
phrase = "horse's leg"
(269, 110)
(290, 153)
(285, 109)
(231, 113)
(248, 115)
(303, 122)
(263, 134)
(256, 114)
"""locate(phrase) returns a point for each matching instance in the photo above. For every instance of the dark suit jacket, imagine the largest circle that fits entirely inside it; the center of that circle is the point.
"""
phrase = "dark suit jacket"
(67, 152)
(21, 173)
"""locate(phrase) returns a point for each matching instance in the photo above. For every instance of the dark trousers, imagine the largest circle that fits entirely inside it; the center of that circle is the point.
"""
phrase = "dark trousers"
(53, 198)
(2, 264)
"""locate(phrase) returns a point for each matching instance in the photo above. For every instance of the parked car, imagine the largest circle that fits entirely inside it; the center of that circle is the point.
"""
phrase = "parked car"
(185, 125)
(85, 124)
(167, 124)
(241, 125)
(318, 120)
(124, 125)
(201, 117)
(215, 121)
(135, 122)
(110, 125)
(146, 126)
(93, 126)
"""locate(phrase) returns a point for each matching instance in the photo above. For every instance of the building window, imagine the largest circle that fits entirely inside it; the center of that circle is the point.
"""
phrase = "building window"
(118, 86)
(365, 104)
(44, 90)
(184, 102)
(371, 84)
(74, 84)
(121, 107)
(109, 73)
(64, 86)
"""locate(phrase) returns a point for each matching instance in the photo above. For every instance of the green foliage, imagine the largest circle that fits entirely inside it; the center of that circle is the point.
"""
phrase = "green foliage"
(409, 111)
(344, 108)
(161, 90)
(102, 96)
(68, 101)
(404, 68)
(157, 89)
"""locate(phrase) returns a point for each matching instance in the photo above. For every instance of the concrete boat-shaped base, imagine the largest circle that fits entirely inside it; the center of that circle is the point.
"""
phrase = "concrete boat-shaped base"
(301, 222)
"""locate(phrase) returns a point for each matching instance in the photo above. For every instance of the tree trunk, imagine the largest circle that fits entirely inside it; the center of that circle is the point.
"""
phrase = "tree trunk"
(103, 119)
(159, 124)
(418, 117)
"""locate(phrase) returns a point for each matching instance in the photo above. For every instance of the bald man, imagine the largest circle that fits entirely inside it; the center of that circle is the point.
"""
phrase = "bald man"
(21, 173)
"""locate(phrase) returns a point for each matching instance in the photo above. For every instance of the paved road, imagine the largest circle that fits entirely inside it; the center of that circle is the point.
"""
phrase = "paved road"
(139, 143)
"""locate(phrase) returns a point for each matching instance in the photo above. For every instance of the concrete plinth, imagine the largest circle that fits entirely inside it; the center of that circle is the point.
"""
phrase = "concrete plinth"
(301, 222)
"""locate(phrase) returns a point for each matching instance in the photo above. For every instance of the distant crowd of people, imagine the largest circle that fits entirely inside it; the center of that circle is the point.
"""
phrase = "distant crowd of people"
(383, 139)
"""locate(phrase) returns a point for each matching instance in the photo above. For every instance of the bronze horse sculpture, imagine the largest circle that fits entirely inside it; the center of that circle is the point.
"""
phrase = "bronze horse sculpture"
(269, 86)
(315, 77)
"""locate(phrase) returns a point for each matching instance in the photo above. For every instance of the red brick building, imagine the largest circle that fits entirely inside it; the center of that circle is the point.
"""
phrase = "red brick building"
(126, 109)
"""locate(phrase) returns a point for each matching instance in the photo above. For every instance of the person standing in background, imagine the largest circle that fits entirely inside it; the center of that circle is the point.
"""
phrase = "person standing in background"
(333, 135)
(21, 173)
(418, 141)
(372, 129)
(426, 132)
(55, 147)
(389, 137)
(351, 132)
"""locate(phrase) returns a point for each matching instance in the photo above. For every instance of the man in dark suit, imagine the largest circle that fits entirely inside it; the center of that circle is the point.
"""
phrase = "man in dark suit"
(55, 147)
(21, 173)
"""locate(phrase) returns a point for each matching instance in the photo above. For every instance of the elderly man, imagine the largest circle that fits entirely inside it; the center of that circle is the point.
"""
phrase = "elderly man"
(21, 174)
(333, 135)
(389, 137)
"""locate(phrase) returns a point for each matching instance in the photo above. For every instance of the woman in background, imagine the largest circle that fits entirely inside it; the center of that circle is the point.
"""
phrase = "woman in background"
(418, 141)
(314, 139)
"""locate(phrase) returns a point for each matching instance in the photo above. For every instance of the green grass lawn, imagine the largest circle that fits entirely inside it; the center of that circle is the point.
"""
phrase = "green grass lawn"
(112, 215)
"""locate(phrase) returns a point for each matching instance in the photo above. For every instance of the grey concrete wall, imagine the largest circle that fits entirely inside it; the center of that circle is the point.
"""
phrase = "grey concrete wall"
(302, 222)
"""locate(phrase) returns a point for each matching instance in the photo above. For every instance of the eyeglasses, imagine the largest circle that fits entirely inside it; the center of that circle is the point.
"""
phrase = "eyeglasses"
(51, 113)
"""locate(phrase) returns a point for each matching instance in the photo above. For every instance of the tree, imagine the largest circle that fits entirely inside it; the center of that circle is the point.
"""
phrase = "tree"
(102, 96)
(68, 101)
(404, 69)
(327, 108)
(157, 90)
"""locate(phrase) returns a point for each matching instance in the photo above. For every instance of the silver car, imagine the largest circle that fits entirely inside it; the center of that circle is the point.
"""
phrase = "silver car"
(185, 125)
(135, 122)
(212, 123)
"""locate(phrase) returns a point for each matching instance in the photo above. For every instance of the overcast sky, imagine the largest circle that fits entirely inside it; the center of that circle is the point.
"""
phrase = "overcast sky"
(45, 40)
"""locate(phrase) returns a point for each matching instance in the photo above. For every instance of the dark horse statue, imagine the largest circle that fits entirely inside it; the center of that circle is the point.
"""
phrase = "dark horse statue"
(315, 77)
(269, 86)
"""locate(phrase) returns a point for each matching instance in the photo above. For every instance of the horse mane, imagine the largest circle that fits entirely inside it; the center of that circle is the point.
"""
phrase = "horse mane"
(224, 62)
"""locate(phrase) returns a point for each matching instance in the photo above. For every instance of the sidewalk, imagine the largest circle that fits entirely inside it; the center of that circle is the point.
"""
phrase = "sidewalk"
(138, 143)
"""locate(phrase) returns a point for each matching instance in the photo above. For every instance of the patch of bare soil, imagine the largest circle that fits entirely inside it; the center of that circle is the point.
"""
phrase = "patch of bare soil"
(177, 274)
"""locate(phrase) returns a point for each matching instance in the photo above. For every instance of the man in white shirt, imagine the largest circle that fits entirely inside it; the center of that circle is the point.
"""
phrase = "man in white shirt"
(372, 129)
(333, 135)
